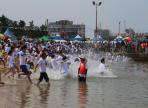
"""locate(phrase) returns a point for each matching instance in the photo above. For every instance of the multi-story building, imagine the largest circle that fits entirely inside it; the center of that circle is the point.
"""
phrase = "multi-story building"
(66, 28)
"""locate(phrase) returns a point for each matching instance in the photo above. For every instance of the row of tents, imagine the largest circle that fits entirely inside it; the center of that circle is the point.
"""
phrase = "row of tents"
(9, 34)
(59, 38)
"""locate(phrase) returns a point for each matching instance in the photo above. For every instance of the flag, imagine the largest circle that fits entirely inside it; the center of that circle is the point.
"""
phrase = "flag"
(8, 33)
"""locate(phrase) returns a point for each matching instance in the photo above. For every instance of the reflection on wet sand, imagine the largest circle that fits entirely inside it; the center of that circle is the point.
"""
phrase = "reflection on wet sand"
(82, 96)
(64, 93)
(15, 96)
(129, 90)
(44, 94)
(23, 98)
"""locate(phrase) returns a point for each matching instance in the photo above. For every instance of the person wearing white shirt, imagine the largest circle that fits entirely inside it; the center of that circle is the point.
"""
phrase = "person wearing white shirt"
(36, 58)
(64, 66)
(7, 48)
(21, 58)
(102, 68)
(59, 59)
(53, 62)
(23, 66)
(11, 65)
(42, 64)
(30, 59)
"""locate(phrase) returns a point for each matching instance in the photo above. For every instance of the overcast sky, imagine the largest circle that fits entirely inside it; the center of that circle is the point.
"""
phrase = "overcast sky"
(133, 12)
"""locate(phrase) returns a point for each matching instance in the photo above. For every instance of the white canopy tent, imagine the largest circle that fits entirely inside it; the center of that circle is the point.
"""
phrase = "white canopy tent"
(119, 37)
(78, 37)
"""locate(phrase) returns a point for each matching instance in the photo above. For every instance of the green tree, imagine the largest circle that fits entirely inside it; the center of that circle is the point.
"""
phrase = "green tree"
(31, 24)
(43, 27)
(4, 20)
(10, 23)
(15, 24)
(22, 23)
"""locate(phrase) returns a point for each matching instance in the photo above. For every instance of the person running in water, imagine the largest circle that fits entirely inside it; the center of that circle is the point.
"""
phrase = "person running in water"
(82, 70)
(11, 64)
(64, 66)
(42, 63)
(23, 65)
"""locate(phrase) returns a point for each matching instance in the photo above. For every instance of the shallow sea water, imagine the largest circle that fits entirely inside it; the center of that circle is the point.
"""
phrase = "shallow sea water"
(128, 90)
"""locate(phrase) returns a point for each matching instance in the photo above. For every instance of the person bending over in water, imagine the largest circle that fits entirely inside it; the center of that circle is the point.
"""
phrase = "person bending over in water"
(102, 68)
(82, 71)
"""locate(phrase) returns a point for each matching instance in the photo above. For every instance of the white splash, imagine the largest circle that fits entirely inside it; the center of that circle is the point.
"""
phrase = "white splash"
(93, 68)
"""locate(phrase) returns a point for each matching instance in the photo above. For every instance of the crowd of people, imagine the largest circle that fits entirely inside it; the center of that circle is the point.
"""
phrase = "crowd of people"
(24, 56)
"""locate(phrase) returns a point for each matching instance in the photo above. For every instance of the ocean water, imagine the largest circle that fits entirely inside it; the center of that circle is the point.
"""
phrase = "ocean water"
(125, 85)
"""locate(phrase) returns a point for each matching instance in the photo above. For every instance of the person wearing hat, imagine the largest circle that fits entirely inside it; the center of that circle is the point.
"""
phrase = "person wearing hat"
(82, 70)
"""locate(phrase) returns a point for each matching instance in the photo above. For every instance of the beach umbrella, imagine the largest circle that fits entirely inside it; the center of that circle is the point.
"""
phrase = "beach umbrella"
(129, 39)
(2, 37)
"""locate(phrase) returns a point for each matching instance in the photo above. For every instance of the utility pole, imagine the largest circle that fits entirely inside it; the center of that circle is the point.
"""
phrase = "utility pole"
(119, 27)
(96, 5)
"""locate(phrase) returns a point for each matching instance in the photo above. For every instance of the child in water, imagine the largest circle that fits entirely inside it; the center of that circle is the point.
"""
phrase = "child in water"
(82, 71)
